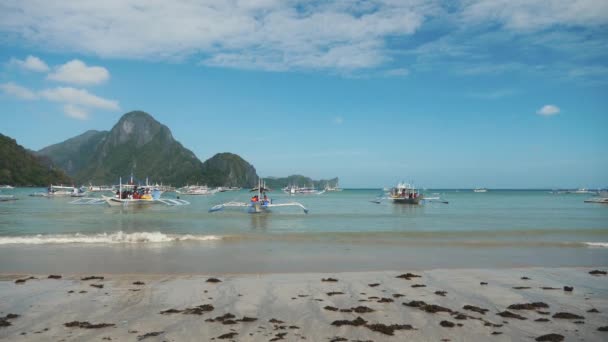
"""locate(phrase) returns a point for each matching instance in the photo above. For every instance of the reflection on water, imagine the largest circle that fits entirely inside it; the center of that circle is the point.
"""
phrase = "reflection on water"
(407, 209)
(259, 221)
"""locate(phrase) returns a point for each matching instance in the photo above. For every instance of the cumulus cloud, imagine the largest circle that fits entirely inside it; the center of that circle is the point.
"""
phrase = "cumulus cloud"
(31, 63)
(18, 91)
(75, 112)
(548, 110)
(80, 97)
(268, 34)
(536, 14)
(77, 72)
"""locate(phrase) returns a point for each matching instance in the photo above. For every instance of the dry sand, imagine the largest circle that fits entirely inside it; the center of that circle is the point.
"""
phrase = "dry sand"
(292, 307)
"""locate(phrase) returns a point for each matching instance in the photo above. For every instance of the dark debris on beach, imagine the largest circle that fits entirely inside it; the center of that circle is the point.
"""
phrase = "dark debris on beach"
(408, 276)
(550, 338)
(509, 314)
(150, 334)
(87, 325)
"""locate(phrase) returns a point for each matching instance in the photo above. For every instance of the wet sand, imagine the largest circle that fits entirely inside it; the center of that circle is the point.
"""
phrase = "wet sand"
(523, 304)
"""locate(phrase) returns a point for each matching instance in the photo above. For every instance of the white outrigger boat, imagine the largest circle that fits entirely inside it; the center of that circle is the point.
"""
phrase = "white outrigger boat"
(480, 190)
(201, 190)
(61, 191)
(405, 193)
(332, 188)
(296, 190)
(258, 203)
(132, 195)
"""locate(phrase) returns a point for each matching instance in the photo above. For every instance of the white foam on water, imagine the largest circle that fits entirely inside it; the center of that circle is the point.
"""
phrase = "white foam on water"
(105, 238)
(597, 244)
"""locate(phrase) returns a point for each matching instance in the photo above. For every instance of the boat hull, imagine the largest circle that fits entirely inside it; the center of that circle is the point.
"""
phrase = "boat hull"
(114, 202)
(402, 200)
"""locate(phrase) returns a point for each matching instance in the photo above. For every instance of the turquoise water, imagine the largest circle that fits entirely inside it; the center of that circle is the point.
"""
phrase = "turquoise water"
(343, 230)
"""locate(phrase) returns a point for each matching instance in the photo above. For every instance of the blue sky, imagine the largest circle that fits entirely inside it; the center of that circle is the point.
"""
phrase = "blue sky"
(493, 93)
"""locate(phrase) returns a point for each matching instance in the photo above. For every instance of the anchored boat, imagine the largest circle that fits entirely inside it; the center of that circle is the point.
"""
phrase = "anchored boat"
(259, 203)
(132, 195)
(405, 193)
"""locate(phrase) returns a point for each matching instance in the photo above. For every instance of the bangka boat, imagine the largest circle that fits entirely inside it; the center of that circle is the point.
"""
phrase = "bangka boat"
(61, 191)
(132, 195)
(480, 190)
(259, 203)
(100, 188)
(602, 197)
(196, 190)
(296, 190)
(6, 186)
(329, 188)
(405, 193)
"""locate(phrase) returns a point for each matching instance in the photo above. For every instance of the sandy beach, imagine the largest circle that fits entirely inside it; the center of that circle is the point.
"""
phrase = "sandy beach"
(516, 304)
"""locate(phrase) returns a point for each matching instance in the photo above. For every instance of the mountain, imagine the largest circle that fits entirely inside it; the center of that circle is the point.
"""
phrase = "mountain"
(22, 168)
(299, 180)
(141, 145)
(76, 153)
(228, 169)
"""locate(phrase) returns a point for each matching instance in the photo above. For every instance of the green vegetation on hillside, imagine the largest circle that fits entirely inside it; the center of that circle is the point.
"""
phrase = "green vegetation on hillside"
(22, 168)
(140, 145)
(299, 180)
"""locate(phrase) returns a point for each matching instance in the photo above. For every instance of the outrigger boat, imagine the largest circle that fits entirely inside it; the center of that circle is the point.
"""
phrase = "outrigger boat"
(478, 190)
(196, 190)
(61, 191)
(332, 188)
(133, 195)
(405, 193)
(258, 203)
(296, 190)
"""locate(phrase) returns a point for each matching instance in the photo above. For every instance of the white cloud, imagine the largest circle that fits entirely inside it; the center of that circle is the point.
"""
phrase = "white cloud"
(338, 120)
(267, 34)
(78, 97)
(536, 14)
(18, 91)
(548, 110)
(77, 72)
(75, 112)
(31, 63)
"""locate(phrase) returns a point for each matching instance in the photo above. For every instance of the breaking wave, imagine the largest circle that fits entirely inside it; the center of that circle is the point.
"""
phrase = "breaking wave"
(597, 244)
(104, 238)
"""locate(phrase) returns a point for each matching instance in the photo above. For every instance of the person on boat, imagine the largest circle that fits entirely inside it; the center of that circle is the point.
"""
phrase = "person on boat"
(265, 200)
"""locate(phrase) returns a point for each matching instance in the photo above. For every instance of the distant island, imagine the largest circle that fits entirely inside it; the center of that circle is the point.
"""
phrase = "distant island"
(20, 167)
(137, 145)
(299, 180)
(140, 145)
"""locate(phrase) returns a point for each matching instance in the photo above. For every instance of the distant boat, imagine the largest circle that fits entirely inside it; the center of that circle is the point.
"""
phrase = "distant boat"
(61, 191)
(480, 190)
(405, 193)
(332, 188)
(100, 188)
(296, 190)
(6, 186)
(582, 191)
(201, 190)
(602, 197)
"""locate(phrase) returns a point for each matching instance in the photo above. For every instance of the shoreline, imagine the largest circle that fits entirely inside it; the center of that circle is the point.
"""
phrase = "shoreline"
(308, 306)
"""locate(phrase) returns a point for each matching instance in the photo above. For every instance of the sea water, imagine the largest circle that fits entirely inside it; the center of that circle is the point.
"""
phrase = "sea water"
(344, 231)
